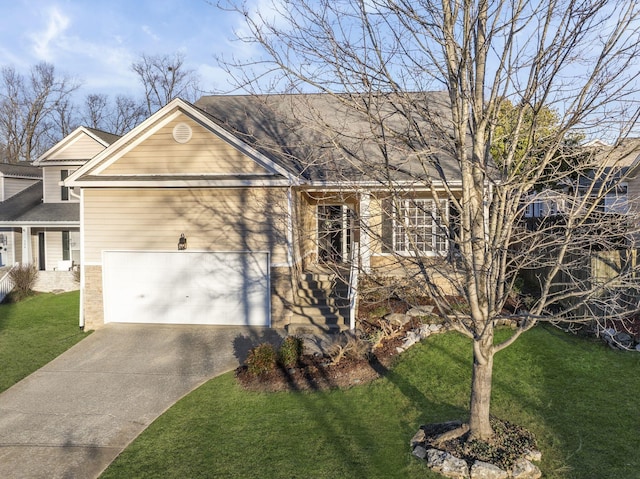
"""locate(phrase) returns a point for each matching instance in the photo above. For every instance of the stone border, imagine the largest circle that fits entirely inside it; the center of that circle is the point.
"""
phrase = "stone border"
(453, 467)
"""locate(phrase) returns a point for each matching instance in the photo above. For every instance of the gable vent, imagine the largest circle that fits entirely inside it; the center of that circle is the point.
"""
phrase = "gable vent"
(182, 133)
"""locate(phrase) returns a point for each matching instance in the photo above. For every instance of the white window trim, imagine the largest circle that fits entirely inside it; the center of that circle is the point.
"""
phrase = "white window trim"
(436, 227)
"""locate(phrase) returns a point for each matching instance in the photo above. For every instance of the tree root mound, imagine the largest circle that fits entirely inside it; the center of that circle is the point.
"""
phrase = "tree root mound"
(508, 444)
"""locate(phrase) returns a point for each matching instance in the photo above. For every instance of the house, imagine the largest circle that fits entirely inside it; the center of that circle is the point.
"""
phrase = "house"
(610, 175)
(14, 178)
(229, 212)
(41, 222)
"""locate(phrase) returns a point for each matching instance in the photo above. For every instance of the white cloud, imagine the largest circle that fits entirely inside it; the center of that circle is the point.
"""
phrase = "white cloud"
(147, 29)
(57, 23)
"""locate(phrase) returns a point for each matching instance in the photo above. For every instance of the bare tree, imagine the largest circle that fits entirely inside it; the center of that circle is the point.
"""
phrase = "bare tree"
(164, 78)
(94, 111)
(28, 109)
(575, 58)
(117, 118)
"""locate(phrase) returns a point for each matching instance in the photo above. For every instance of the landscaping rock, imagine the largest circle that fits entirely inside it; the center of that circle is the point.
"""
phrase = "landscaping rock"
(485, 470)
(423, 331)
(420, 452)
(535, 456)
(397, 319)
(638, 347)
(420, 311)
(418, 438)
(411, 339)
(618, 340)
(624, 340)
(524, 469)
(447, 465)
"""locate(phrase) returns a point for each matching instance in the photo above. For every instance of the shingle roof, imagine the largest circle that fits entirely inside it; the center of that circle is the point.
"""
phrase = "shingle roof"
(27, 207)
(12, 208)
(52, 213)
(104, 136)
(325, 138)
(13, 169)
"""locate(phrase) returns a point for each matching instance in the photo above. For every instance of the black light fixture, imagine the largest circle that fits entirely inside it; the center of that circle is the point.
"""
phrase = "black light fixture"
(182, 242)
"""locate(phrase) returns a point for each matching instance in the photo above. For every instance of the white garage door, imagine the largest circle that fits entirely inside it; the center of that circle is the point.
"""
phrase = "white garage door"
(186, 287)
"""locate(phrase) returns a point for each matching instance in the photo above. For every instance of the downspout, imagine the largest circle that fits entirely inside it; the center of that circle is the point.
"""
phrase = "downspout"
(82, 257)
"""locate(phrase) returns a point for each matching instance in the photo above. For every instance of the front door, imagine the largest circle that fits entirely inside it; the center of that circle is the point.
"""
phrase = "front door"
(333, 233)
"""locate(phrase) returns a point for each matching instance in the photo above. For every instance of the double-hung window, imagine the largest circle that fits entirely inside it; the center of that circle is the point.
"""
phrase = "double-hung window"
(64, 191)
(419, 227)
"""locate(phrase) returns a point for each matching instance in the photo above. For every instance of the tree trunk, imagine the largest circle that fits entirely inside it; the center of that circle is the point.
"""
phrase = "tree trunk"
(479, 425)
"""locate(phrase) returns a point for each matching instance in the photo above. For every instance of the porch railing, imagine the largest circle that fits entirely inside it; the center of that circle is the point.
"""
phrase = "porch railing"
(353, 284)
(6, 285)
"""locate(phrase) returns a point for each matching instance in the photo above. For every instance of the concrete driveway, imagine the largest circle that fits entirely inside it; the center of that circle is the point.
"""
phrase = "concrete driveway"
(71, 418)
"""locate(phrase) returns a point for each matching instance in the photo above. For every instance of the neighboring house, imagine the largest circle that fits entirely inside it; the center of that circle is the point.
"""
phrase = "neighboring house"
(14, 178)
(43, 220)
(220, 212)
(614, 169)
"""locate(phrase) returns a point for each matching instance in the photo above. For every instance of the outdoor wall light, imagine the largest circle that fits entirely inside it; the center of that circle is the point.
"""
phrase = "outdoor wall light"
(182, 242)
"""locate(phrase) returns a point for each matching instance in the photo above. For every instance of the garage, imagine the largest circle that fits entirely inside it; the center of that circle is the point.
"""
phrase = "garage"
(186, 287)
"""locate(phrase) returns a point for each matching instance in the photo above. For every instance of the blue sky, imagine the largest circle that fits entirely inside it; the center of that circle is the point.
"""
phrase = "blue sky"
(96, 41)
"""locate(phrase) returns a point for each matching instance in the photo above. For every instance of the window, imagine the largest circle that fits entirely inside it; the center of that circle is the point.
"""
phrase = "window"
(419, 228)
(66, 250)
(64, 191)
(616, 200)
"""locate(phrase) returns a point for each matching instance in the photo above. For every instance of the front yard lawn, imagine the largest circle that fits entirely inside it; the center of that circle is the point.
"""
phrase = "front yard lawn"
(577, 396)
(34, 331)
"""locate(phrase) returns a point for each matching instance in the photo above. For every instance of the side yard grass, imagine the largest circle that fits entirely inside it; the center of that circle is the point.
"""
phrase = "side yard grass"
(34, 331)
(578, 397)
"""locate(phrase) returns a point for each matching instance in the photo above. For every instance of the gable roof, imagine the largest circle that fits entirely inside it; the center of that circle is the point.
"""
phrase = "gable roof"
(14, 170)
(96, 172)
(107, 138)
(326, 138)
(95, 140)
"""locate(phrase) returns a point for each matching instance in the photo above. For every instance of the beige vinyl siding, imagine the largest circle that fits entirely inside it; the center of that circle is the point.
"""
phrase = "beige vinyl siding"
(204, 153)
(83, 148)
(13, 186)
(212, 220)
(51, 180)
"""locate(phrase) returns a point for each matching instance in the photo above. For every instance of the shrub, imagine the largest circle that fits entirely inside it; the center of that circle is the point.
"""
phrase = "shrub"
(261, 359)
(23, 278)
(349, 346)
(290, 351)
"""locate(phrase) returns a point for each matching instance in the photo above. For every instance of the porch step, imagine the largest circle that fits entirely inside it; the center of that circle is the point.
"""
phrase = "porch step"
(320, 305)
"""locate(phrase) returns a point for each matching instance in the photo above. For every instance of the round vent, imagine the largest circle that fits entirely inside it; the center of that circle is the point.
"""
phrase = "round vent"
(182, 133)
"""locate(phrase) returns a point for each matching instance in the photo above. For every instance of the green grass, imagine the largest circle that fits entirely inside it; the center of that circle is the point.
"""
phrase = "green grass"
(34, 331)
(578, 397)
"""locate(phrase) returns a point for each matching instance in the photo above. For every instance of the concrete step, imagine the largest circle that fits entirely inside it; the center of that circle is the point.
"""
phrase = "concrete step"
(327, 312)
(317, 277)
(316, 329)
(316, 284)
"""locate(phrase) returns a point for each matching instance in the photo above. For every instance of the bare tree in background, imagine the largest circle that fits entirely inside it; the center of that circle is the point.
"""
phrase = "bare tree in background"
(30, 107)
(575, 58)
(117, 118)
(164, 78)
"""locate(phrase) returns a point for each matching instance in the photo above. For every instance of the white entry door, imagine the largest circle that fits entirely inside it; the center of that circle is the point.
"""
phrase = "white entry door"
(185, 287)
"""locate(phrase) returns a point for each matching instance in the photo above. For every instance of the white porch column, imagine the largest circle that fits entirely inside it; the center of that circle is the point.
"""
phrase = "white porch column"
(365, 235)
(27, 257)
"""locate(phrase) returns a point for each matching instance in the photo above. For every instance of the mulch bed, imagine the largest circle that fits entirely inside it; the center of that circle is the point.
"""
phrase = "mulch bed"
(315, 372)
